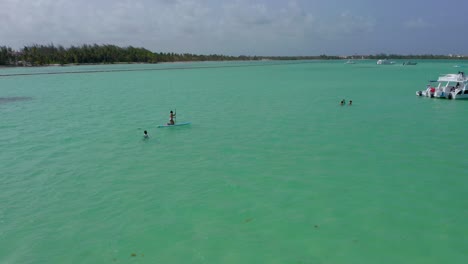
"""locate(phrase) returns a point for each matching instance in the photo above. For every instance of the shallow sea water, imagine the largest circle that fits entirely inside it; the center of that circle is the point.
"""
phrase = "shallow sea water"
(271, 170)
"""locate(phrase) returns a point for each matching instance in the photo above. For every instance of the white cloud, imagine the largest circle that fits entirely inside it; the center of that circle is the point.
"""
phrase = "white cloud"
(346, 25)
(417, 23)
(260, 28)
(181, 25)
(229, 27)
(352, 24)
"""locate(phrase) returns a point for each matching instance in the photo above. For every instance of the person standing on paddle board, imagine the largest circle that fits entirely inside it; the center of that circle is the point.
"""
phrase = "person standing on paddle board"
(171, 118)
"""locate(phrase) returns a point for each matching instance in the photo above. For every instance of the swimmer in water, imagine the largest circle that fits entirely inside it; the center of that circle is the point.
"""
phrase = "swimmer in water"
(145, 134)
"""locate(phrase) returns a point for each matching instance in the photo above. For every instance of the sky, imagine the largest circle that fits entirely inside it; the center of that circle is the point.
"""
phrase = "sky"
(243, 27)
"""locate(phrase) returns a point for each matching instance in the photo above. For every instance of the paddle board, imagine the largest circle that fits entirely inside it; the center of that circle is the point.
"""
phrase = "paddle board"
(178, 124)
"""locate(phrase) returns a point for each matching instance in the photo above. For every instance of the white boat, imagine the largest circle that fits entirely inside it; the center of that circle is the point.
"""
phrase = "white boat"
(385, 62)
(449, 86)
(350, 62)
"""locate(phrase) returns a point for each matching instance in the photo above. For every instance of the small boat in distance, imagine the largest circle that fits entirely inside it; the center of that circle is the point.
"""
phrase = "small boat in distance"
(385, 62)
(409, 63)
(449, 86)
(350, 62)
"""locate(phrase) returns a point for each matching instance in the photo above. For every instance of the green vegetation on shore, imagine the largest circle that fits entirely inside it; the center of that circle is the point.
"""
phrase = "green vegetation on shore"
(38, 55)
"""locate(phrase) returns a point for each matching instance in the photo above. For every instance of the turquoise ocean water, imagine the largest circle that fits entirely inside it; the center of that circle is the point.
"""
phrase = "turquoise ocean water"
(272, 169)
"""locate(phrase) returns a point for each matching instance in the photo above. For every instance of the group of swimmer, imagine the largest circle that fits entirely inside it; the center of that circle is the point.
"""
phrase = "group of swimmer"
(171, 122)
(343, 102)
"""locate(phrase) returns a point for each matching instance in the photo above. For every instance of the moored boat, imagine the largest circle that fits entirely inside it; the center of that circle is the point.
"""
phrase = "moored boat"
(448, 86)
(385, 62)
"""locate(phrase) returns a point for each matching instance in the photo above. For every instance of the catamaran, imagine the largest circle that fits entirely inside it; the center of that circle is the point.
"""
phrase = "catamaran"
(449, 86)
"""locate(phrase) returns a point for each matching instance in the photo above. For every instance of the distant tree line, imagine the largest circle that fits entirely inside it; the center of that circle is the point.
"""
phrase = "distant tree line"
(38, 55)
(424, 56)
(321, 57)
(7, 56)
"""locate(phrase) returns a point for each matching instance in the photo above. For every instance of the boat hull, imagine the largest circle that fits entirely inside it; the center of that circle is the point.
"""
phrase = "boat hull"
(456, 95)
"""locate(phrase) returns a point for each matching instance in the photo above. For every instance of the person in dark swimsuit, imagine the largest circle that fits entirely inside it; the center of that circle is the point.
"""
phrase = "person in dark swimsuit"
(171, 118)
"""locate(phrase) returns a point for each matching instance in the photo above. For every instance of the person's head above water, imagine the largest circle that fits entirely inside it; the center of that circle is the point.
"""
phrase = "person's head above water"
(171, 112)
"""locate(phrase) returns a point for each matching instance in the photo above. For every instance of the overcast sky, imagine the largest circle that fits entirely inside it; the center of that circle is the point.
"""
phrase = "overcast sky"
(243, 27)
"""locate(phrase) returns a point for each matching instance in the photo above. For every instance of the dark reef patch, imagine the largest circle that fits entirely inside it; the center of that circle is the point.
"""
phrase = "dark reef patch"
(4, 100)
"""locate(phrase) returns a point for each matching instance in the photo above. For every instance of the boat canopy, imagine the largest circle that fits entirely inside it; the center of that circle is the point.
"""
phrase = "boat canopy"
(452, 78)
